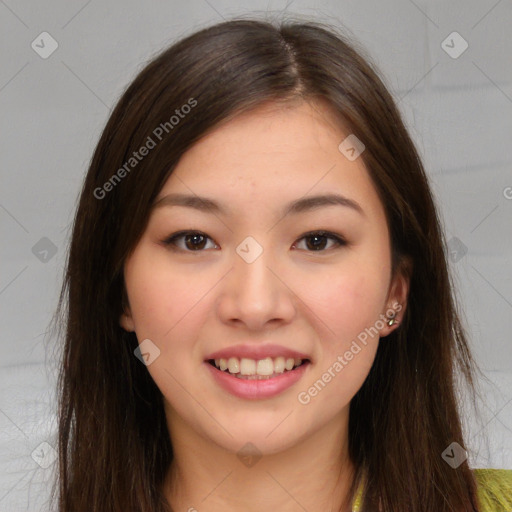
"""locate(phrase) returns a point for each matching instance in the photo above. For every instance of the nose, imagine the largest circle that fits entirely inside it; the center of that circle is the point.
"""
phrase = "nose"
(256, 294)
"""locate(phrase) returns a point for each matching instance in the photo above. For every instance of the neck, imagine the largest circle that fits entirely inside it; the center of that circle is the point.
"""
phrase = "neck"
(314, 474)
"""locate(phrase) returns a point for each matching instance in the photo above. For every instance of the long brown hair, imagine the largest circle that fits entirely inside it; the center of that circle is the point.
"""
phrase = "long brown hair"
(114, 446)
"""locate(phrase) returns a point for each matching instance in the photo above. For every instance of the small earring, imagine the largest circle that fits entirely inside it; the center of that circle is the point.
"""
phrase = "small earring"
(392, 321)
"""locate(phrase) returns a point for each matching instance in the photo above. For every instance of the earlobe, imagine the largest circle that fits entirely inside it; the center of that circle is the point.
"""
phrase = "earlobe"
(393, 317)
(397, 304)
(126, 322)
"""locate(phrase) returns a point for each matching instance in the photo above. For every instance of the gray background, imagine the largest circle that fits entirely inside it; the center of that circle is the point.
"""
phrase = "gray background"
(459, 112)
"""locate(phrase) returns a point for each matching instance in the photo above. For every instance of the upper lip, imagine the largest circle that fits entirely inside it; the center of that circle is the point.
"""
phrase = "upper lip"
(256, 352)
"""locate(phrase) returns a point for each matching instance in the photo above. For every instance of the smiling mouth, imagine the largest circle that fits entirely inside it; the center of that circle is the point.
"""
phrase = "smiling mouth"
(262, 369)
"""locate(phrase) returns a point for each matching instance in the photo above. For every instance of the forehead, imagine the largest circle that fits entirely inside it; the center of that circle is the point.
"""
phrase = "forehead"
(271, 156)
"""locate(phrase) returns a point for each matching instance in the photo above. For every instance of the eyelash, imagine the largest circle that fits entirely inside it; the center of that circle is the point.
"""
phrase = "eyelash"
(170, 241)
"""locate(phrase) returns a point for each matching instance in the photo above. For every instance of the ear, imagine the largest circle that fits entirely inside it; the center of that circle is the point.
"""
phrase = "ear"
(397, 297)
(126, 319)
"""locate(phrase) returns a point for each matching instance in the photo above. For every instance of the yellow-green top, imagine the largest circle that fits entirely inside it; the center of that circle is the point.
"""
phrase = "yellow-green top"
(494, 490)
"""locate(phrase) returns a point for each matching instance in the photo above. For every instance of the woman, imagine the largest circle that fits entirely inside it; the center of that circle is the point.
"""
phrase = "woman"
(260, 314)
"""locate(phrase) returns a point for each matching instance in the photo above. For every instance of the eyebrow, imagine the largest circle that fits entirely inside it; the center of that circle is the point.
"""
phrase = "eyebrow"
(301, 205)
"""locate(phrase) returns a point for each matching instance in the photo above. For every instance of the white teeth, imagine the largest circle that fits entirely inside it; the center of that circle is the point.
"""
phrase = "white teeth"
(233, 365)
(247, 366)
(289, 363)
(279, 364)
(263, 367)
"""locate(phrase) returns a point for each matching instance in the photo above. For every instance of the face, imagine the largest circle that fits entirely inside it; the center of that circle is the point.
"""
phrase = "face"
(252, 280)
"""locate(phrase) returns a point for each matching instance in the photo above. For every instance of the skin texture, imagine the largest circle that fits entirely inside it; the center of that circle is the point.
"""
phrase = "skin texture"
(193, 303)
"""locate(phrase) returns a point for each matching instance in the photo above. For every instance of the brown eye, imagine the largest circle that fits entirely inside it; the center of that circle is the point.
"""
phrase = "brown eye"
(318, 240)
(195, 241)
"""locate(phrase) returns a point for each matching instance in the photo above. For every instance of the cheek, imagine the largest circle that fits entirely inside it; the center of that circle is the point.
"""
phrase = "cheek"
(349, 305)
(348, 300)
(164, 304)
(160, 297)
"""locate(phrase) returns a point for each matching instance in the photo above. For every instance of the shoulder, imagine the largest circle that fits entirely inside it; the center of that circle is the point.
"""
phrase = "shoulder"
(494, 488)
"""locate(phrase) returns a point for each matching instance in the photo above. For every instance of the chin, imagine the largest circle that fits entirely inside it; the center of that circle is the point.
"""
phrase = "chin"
(265, 438)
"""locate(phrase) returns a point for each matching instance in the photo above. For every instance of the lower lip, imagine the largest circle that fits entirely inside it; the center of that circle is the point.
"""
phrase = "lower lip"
(257, 389)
